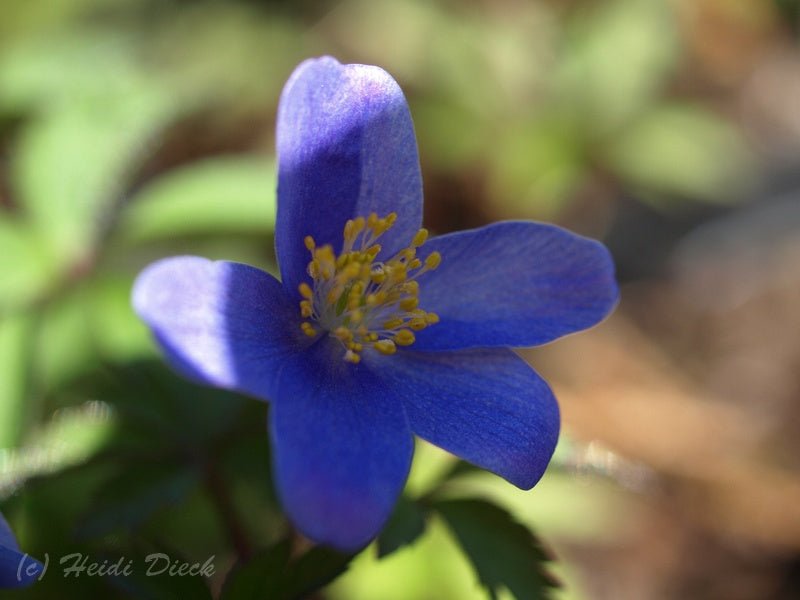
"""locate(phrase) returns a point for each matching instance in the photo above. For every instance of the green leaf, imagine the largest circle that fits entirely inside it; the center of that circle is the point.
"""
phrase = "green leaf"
(26, 267)
(40, 71)
(406, 524)
(504, 553)
(617, 56)
(686, 152)
(69, 438)
(64, 341)
(150, 578)
(166, 410)
(14, 370)
(315, 569)
(218, 195)
(72, 165)
(271, 574)
(130, 497)
(260, 577)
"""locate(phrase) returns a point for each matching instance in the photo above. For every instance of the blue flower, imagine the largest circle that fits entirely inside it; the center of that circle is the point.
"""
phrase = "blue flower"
(374, 332)
(16, 569)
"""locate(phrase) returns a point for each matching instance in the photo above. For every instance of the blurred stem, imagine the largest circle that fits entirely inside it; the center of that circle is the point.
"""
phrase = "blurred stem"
(218, 491)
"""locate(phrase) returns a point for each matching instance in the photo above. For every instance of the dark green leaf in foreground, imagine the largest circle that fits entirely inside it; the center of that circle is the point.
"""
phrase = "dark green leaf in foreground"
(130, 497)
(271, 574)
(406, 524)
(260, 577)
(503, 552)
(162, 575)
(315, 569)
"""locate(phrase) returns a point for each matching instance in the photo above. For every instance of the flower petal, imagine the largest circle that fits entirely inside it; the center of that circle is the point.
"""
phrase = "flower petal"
(516, 284)
(342, 448)
(224, 324)
(16, 569)
(346, 147)
(485, 405)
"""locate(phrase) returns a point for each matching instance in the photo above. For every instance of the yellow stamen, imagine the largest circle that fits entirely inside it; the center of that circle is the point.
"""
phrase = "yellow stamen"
(420, 238)
(306, 291)
(364, 302)
(404, 337)
(386, 347)
(434, 260)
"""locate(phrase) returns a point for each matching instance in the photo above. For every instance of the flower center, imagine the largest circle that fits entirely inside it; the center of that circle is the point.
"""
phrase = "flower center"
(361, 302)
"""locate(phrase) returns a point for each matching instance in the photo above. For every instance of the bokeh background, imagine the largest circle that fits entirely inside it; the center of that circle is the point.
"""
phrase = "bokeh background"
(670, 129)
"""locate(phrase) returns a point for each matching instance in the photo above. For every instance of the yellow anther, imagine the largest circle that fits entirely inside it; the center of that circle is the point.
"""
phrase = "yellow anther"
(363, 303)
(434, 260)
(409, 303)
(386, 347)
(351, 271)
(404, 337)
(411, 287)
(417, 324)
(306, 291)
(397, 273)
(352, 357)
(343, 333)
(353, 301)
(393, 323)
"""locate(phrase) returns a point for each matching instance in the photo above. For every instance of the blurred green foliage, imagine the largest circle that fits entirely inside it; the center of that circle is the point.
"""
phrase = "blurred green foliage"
(134, 129)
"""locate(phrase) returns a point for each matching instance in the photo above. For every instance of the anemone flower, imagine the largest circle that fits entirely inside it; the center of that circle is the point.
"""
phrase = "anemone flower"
(374, 332)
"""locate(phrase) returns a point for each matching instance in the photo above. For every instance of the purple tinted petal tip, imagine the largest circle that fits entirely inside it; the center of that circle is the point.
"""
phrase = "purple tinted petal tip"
(346, 147)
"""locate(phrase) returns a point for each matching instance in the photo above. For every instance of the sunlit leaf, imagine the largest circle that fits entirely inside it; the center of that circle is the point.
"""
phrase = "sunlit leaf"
(64, 344)
(505, 553)
(218, 195)
(15, 352)
(26, 266)
(616, 56)
(537, 165)
(69, 438)
(686, 152)
(72, 164)
(43, 71)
